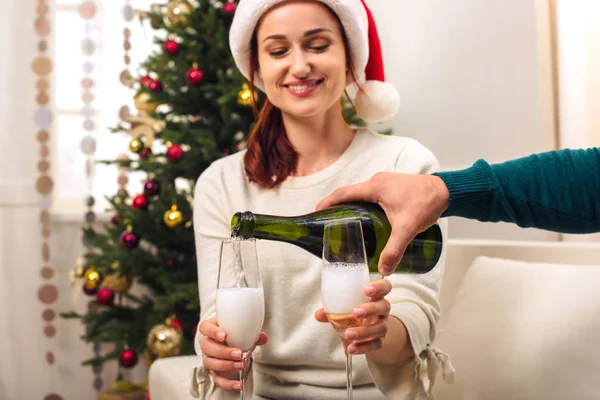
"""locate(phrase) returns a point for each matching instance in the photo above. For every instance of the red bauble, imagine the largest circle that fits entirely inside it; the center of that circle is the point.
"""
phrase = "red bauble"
(145, 153)
(105, 296)
(89, 291)
(175, 323)
(174, 153)
(171, 47)
(140, 202)
(129, 240)
(155, 86)
(195, 76)
(229, 9)
(128, 358)
(151, 188)
(145, 80)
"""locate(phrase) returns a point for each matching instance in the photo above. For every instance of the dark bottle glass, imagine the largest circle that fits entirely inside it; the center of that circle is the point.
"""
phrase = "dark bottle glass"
(306, 231)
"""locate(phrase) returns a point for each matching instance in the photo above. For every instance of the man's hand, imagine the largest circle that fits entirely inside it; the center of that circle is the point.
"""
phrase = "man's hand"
(412, 204)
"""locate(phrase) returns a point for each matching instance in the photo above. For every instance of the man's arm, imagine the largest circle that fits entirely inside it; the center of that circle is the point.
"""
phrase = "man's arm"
(557, 190)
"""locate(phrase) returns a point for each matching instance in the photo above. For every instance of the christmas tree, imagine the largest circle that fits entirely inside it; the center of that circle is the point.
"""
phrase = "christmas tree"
(194, 104)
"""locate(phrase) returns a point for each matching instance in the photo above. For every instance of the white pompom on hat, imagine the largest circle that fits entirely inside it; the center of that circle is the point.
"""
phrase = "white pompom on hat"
(376, 100)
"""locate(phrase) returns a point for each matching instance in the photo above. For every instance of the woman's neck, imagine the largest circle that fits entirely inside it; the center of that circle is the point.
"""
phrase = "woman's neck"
(319, 141)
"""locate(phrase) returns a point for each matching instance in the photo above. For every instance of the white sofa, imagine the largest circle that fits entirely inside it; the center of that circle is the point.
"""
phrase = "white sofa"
(521, 321)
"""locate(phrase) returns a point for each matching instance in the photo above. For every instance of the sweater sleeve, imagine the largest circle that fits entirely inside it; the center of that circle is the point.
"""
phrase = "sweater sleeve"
(556, 191)
(211, 226)
(414, 301)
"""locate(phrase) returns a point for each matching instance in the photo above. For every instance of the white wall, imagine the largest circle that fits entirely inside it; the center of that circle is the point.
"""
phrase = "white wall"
(469, 76)
(578, 47)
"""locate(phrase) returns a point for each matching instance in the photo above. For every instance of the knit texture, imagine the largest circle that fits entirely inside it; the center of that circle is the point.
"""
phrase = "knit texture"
(556, 191)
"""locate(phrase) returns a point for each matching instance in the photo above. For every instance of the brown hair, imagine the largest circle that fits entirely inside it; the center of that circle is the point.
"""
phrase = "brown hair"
(270, 157)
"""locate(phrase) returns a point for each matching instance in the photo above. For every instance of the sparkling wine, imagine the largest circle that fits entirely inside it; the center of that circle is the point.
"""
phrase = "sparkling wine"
(341, 322)
(342, 287)
(241, 312)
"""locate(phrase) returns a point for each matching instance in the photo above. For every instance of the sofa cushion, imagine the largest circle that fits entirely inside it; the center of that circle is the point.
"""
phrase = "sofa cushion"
(519, 330)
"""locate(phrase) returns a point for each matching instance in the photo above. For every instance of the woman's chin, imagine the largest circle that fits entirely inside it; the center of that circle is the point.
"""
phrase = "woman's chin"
(305, 110)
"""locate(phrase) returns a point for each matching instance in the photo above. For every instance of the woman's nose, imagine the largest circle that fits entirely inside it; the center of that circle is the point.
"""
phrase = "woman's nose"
(300, 67)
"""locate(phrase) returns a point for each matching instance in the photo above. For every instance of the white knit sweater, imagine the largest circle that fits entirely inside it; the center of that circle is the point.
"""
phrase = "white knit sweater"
(304, 359)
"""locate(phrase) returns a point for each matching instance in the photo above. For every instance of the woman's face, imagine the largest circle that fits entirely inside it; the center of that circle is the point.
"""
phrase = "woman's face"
(302, 58)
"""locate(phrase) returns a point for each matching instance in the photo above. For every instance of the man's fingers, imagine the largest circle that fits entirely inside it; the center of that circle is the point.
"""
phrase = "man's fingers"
(320, 315)
(394, 250)
(357, 192)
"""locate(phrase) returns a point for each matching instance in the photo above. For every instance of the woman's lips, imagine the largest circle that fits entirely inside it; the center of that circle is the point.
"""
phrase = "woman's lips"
(302, 89)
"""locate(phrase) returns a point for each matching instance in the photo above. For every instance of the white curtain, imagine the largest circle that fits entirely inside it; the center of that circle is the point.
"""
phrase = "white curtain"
(23, 345)
(25, 373)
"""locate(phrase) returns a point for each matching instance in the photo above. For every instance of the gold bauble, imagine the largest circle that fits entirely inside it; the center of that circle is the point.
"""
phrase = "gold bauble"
(144, 104)
(173, 217)
(117, 282)
(136, 145)
(92, 278)
(165, 341)
(245, 96)
(177, 13)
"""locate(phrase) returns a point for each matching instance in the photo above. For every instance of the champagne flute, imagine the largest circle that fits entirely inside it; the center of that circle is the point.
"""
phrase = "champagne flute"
(345, 274)
(240, 303)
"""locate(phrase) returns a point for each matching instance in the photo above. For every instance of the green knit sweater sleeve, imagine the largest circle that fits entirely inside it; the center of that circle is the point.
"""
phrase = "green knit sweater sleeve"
(556, 191)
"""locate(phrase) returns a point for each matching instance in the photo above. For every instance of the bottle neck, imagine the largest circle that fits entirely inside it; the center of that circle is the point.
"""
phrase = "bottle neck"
(246, 225)
(242, 225)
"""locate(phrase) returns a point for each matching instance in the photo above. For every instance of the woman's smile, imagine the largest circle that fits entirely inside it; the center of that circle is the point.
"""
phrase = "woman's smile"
(303, 88)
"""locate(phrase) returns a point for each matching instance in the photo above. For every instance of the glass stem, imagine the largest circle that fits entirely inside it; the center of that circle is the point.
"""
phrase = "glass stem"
(349, 375)
(247, 359)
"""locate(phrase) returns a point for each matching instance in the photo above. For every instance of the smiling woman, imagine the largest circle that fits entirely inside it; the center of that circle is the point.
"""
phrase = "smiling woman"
(304, 54)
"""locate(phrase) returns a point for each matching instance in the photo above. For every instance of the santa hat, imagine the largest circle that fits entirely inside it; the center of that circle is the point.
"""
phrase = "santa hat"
(377, 100)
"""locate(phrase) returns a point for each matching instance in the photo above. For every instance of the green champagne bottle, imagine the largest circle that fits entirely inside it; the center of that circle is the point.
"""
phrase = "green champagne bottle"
(306, 231)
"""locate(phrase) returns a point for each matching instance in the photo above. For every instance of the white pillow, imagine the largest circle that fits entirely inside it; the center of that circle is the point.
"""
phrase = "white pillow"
(520, 330)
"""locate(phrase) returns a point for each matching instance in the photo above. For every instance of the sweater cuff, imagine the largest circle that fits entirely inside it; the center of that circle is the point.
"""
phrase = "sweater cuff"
(468, 189)
(398, 380)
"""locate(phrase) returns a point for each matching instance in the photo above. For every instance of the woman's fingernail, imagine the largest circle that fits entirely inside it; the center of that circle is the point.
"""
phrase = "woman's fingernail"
(371, 290)
(352, 349)
(237, 386)
(351, 334)
(387, 269)
(236, 354)
(221, 335)
(238, 365)
(360, 312)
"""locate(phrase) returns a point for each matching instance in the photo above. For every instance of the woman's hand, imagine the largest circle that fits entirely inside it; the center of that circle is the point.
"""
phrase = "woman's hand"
(223, 362)
(374, 316)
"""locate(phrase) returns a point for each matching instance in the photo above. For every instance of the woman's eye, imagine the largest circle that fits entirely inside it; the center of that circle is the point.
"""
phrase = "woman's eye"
(277, 53)
(319, 48)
